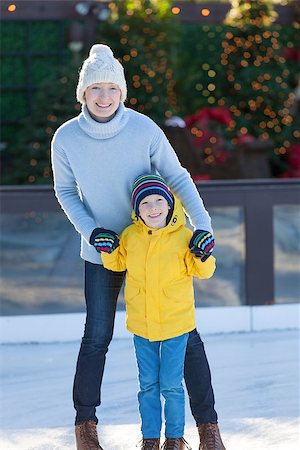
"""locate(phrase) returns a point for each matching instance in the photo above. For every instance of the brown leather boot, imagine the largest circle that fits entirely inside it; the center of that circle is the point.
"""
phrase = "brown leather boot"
(175, 444)
(150, 444)
(210, 438)
(86, 436)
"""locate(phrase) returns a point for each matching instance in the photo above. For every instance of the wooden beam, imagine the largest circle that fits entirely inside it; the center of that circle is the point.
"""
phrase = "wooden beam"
(190, 11)
(39, 10)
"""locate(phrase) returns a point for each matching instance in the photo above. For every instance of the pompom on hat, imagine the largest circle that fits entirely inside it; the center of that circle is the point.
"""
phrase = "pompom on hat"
(149, 184)
(101, 67)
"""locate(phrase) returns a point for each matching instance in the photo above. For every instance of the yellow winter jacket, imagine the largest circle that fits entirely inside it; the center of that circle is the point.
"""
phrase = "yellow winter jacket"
(160, 267)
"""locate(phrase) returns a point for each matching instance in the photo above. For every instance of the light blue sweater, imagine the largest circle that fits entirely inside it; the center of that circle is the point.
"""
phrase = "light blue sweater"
(94, 165)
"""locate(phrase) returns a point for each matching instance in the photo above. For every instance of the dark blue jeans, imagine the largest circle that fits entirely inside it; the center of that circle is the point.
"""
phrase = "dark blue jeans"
(101, 291)
(198, 381)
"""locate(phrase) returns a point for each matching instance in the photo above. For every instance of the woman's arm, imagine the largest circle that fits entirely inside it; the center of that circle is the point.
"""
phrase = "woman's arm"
(165, 161)
(68, 194)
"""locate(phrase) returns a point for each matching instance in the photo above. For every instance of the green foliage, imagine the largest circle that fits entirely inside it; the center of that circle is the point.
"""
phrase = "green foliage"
(13, 105)
(258, 85)
(144, 35)
(44, 36)
(27, 158)
(13, 70)
(198, 70)
(34, 98)
(170, 69)
(14, 36)
(245, 13)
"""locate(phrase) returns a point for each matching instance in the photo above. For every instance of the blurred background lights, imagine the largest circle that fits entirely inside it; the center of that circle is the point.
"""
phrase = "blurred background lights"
(82, 8)
(11, 7)
(175, 10)
(205, 12)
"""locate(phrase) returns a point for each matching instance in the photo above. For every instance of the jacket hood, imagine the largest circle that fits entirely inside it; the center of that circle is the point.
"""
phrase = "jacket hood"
(176, 221)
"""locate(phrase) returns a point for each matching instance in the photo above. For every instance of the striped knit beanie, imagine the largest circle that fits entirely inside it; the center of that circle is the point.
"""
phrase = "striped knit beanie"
(149, 184)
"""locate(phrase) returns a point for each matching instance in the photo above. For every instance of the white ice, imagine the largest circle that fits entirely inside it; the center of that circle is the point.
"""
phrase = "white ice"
(255, 379)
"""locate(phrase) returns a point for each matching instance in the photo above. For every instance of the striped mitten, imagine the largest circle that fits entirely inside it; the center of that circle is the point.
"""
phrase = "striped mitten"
(202, 244)
(104, 240)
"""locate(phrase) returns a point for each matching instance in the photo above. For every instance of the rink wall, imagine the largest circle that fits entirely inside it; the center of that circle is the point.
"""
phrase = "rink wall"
(69, 327)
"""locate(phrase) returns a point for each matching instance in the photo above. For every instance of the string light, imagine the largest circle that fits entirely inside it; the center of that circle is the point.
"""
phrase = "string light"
(11, 8)
(205, 12)
(175, 10)
(238, 54)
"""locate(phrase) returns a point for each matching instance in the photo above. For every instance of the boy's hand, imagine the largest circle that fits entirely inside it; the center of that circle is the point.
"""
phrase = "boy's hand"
(202, 244)
(104, 240)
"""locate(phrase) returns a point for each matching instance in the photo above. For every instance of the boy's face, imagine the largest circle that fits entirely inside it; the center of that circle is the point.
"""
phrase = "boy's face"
(154, 209)
(102, 100)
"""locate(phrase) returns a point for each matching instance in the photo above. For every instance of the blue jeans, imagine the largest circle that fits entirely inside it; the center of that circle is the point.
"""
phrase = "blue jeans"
(197, 378)
(161, 366)
(101, 291)
(102, 287)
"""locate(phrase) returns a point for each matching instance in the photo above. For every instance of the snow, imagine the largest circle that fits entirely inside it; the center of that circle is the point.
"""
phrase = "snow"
(255, 379)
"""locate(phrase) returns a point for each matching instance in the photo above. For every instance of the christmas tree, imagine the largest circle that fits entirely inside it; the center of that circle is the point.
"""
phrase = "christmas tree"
(257, 84)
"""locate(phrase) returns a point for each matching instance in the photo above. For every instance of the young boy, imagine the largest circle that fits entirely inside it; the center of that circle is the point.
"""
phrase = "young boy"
(159, 302)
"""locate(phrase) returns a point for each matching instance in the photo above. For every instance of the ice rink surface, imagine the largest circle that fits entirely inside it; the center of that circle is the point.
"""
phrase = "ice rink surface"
(255, 380)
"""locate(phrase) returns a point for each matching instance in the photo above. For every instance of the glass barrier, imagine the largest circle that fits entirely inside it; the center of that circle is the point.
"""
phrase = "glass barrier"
(42, 272)
(40, 268)
(227, 286)
(286, 222)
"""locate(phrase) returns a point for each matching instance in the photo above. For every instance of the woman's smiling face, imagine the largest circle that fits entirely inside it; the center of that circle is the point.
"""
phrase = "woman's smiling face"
(102, 100)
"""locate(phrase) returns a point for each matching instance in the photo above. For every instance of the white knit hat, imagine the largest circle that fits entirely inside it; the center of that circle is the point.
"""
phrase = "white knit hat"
(101, 67)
